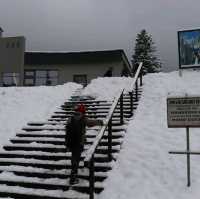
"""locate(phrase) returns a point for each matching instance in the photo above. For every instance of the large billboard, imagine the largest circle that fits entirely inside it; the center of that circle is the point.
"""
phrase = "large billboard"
(189, 48)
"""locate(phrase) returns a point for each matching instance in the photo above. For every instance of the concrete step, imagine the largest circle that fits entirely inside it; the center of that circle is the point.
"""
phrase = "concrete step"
(57, 142)
(102, 150)
(51, 165)
(62, 135)
(46, 174)
(46, 186)
(48, 156)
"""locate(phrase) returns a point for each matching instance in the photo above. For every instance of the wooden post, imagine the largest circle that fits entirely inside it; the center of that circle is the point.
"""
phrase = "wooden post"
(121, 110)
(188, 156)
(110, 140)
(136, 90)
(91, 178)
(131, 103)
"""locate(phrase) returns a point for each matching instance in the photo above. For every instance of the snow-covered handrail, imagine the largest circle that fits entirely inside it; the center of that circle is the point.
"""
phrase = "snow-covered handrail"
(89, 153)
(136, 76)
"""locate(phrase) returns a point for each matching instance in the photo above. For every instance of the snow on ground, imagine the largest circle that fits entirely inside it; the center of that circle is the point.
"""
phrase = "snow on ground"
(19, 105)
(144, 169)
(106, 88)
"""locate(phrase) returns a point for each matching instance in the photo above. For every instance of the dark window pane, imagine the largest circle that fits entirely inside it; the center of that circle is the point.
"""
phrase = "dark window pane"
(41, 73)
(80, 79)
(10, 79)
(29, 82)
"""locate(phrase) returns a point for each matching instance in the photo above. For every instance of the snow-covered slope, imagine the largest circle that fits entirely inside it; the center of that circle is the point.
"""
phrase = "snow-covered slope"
(144, 169)
(19, 105)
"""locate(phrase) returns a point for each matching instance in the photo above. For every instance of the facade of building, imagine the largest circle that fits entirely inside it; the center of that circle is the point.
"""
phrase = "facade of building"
(49, 68)
(18, 68)
(11, 60)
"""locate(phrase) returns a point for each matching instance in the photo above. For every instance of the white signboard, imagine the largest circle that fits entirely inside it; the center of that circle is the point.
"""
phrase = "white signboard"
(183, 111)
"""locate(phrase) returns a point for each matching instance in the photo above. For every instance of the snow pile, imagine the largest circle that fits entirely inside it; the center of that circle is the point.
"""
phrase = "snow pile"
(106, 88)
(19, 105)
(144, 168)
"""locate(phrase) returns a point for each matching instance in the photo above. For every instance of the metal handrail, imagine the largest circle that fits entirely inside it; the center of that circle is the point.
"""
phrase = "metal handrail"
(92, 149)
(138, 72)
(89, 155)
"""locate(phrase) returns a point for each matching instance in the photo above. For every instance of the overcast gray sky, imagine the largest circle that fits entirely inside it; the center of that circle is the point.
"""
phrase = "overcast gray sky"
(82, 25)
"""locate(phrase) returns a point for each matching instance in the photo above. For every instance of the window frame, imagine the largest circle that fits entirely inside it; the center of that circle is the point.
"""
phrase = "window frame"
(84, 83)
(11, 77)
(35, 77)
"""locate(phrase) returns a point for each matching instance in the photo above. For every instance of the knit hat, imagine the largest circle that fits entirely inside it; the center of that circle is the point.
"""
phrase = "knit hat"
(80, 108)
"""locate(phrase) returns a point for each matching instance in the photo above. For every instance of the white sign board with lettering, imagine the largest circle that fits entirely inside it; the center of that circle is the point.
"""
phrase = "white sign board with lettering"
(183, 112)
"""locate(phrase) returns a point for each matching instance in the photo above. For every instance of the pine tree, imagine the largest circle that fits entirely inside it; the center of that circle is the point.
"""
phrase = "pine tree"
(145, 52)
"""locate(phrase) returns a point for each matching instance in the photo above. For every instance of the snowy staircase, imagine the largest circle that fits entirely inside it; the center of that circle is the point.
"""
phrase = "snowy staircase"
(35, 164)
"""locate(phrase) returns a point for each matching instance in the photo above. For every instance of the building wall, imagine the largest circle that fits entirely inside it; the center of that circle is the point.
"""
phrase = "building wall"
(92, 70)
(12, 57)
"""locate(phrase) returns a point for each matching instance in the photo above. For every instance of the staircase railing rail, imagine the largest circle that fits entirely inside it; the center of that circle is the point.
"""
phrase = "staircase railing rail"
(89, 155)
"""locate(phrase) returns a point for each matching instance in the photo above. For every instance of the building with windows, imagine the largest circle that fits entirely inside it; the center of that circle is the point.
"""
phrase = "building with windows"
(18, 68)
(52, 68)
(11, 60)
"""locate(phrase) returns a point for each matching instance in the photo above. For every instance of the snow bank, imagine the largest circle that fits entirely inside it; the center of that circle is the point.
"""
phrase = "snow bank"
(106, 88)
(19, 105)
(144, 169)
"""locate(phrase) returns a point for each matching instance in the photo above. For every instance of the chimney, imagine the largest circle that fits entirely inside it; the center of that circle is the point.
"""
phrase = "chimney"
(1, 32)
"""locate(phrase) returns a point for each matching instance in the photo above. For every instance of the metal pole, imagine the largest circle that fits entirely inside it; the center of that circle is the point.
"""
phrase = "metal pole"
(131, 103)
(141, 74)
(136, 90)
(110, 139)
(121, 110)
(91, 167)
(188, 156)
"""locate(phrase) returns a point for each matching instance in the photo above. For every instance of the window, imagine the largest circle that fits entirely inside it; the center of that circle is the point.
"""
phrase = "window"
(18, 44)
(80, 79)
(40, 77)
(13, 44)
(10, 79)
(29, 78)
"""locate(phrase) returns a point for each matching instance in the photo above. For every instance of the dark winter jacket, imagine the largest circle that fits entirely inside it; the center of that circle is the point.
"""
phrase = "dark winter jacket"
(82, 122)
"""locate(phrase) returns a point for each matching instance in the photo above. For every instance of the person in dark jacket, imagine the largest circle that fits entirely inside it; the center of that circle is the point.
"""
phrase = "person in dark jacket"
(108, 73)
(76, 126)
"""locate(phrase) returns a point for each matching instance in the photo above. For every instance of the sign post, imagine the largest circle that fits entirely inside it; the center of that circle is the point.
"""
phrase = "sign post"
(188, 156)
(184, 112)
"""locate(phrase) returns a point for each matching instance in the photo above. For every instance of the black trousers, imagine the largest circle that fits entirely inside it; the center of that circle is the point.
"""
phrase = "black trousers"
(76, 156)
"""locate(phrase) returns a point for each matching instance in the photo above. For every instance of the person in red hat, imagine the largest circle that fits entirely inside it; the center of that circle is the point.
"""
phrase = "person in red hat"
(75, 137)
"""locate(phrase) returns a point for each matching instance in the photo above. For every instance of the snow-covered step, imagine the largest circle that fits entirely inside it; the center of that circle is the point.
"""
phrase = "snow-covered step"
(46, 173)
(34, 175)
(115, 135)
(57, 142)
(48, 147)
(48, 156)
(84, 187)
(47, 164)
(8, 191)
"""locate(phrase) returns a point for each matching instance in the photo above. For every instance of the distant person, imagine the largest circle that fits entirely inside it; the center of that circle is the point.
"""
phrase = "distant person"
(124, 72)
(75, 137)
(108, 73)
(135, 67)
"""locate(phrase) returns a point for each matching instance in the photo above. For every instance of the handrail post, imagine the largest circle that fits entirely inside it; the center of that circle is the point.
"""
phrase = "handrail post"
(131, 103)
(141, 75)
(91, 177)
(121, 109)
(110, 139)
(136, 90)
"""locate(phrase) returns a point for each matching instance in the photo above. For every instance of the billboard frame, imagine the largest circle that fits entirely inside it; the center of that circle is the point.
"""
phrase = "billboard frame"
(179, 53)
